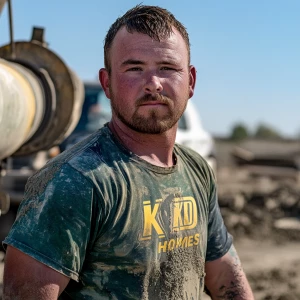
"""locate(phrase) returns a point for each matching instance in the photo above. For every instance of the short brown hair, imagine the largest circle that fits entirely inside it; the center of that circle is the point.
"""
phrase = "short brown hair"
(154, 21)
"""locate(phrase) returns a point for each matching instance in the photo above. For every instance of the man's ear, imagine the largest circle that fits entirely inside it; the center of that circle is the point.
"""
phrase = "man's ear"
(104, 81)
(192, 81)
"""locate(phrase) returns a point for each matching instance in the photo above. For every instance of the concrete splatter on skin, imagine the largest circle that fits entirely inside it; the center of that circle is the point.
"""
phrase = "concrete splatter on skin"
(231, 292)
(234, 289)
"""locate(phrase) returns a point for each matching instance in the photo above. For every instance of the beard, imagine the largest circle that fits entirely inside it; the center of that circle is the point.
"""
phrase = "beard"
(155, 122)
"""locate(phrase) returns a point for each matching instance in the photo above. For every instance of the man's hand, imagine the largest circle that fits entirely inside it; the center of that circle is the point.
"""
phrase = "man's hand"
(26, 278)
(225, 278)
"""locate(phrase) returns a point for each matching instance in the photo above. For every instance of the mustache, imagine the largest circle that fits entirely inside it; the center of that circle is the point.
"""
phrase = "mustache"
(156, 97)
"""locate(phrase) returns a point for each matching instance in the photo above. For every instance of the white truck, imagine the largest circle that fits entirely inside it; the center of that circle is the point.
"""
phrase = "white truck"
(192, 134)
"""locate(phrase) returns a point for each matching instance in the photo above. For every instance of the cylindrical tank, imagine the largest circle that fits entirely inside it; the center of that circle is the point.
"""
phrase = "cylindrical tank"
(22, 104)
(40, 98)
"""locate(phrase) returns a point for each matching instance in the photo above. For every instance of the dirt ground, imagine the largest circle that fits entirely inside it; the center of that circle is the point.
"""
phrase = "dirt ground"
(273, 270)
(262, 212)
(263, 215)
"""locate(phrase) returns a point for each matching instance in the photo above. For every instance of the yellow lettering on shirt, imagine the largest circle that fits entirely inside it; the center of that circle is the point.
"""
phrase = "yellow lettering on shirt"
(185, 214)
(150, 221)
(162, 246)
(196, 236)
(186, 242)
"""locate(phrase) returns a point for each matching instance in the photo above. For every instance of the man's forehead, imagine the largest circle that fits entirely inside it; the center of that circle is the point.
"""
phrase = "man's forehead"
(139, 46)
(134, 39)
(124, 33)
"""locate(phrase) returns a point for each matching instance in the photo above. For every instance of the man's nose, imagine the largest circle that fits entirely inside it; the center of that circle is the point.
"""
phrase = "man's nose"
(153, 85)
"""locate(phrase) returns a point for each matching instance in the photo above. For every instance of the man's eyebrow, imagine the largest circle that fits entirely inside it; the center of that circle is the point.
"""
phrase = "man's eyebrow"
(139, 62)
(132, 62)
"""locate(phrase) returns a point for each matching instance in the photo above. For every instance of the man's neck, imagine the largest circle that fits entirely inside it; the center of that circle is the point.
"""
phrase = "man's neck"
(156, 149)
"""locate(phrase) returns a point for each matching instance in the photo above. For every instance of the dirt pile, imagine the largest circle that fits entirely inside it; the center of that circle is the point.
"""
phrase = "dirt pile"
(260, 207)
(276, 284)
(263, 215)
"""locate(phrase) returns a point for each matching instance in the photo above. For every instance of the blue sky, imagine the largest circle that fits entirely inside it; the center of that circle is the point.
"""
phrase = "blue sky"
(247, 53)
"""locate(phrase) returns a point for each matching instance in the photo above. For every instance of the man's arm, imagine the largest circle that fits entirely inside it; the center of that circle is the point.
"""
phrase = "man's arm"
(225, 278)
(26, 278)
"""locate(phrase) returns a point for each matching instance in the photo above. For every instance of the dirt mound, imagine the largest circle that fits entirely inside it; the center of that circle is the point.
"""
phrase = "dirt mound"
(261, 208)
(263, 215)
(276, 284)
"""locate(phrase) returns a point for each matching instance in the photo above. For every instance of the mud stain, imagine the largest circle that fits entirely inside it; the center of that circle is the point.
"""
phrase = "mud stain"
(177, 277)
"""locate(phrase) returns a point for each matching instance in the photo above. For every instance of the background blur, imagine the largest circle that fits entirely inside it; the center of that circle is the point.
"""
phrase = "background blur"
(246, 52)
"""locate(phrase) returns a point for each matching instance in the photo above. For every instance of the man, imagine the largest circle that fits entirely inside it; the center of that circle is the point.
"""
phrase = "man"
(126, 214)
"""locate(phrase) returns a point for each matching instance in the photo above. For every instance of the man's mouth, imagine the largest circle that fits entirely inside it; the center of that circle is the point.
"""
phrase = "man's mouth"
(153, 100)
(152, 103)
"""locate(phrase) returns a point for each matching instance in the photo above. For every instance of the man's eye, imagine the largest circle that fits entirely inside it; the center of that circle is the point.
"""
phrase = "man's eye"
(134, 69)
(167, 68)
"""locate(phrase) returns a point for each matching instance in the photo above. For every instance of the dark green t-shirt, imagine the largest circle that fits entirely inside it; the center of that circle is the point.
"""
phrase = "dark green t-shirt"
(120, 227)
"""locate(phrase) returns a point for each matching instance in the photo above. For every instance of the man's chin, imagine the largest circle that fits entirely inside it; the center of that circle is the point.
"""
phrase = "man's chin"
(147, 127)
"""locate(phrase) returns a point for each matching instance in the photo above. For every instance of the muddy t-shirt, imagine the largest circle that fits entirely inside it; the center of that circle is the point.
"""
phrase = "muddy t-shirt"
(120, 227)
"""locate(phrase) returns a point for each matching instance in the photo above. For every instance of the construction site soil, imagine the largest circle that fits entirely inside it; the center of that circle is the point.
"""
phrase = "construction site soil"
(262, 212)
(263, 215)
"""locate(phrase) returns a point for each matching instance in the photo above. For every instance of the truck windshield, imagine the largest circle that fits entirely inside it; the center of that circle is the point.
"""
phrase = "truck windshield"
(95, 111)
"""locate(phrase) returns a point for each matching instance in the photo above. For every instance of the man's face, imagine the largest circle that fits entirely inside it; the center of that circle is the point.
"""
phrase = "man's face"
(150, 81)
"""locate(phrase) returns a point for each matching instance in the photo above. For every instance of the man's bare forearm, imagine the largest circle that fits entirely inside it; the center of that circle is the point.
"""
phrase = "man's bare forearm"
(226, 279)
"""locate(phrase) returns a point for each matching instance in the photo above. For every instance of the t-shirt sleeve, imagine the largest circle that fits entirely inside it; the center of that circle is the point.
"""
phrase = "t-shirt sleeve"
(219, 240)
(53, 223)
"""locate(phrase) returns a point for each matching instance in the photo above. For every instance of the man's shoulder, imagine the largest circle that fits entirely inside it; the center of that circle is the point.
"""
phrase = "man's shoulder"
(77, 163)
(195, 162)
(187, 153)
(84, 155)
